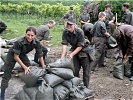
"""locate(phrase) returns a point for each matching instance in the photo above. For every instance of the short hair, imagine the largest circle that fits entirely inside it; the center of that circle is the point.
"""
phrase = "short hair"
(101, 14)
(108, 6)
(126, 5)
(51, 22)
(31, 28)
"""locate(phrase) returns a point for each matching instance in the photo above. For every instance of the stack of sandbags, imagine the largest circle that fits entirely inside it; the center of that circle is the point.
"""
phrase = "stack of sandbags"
(58, 83)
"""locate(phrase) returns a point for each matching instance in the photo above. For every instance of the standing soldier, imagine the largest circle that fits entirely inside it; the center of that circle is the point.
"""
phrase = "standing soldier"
(75, 37)
(127, 17)
(109, 19)
(84, 17)
(99, 34)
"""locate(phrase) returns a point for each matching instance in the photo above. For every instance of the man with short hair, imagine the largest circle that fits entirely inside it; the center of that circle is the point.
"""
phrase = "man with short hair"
(127, 17)
(109, 18)
(42, 35)
(99, 34)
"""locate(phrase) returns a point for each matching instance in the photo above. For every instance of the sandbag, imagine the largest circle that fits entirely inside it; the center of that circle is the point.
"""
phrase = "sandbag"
(31, 92)
(67, 84)
(127, 69)
(76, 81)
(73, 82)
(45, 92)
(61, 93)
(53, 80)
(118, 71)
(90, 50)
(63, 73)
(111, 42)
(75, 92)
(62, 63)
(22, 96)
(32, 78)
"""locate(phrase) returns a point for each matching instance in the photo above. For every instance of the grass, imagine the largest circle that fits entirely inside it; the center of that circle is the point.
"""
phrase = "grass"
(17, 25)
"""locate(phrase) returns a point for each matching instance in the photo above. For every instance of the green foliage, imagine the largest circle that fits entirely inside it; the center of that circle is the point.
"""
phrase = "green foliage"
(20, 14)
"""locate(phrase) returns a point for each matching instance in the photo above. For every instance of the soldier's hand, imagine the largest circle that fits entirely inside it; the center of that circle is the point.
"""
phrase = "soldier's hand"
(125, 59)
(44, 67)
(27, 70)
(70, 56)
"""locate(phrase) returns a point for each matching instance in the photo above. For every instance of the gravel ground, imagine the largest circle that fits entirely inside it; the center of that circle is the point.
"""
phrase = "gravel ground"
(106, 87)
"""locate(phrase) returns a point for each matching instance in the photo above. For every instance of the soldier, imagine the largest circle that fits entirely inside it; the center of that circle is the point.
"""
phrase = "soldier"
(84, 17)
(42, 35)
(18, 54)
(124, 37)
(110, 18)
(75, 37)
(99, 33)
(127, 17)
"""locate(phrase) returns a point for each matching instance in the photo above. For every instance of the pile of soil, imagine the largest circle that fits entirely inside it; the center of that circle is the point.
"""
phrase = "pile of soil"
(106, 86)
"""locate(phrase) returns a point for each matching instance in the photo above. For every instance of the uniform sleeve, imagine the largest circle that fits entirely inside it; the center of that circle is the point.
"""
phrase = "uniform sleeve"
(128, 18)
(130, 46)
(64, 40)
(39, 49)
(81, 39)
(17, 48)
(103, 28)
(46, 35)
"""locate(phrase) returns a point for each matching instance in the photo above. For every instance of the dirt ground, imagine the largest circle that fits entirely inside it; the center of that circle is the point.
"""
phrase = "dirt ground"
(106, 87)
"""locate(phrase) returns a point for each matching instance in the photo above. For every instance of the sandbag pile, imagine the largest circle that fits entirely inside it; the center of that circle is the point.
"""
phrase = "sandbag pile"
(56, 83)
